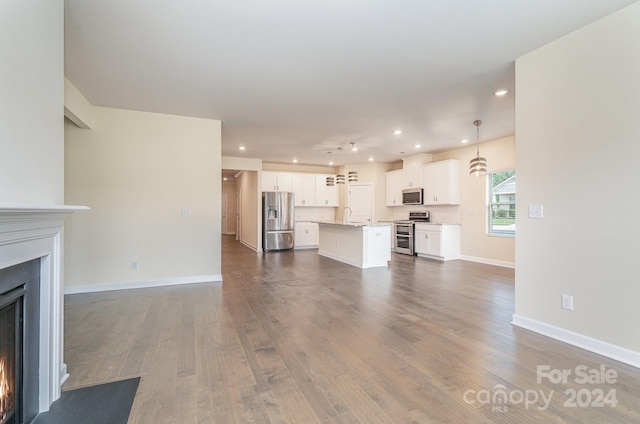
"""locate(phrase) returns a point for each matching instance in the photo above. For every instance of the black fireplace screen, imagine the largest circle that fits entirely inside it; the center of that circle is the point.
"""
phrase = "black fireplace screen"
(10, 359)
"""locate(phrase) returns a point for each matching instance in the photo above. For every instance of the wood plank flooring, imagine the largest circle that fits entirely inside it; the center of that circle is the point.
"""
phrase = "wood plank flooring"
(293, 337)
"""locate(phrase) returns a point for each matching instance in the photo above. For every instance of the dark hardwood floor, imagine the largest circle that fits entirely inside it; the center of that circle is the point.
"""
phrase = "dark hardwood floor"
(293, 337)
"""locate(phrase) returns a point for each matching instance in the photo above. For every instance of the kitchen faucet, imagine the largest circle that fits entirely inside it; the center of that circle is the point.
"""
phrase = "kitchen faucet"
(346, 208)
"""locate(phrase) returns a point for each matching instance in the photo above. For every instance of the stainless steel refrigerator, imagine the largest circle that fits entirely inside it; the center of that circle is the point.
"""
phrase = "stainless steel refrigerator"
(277, 221)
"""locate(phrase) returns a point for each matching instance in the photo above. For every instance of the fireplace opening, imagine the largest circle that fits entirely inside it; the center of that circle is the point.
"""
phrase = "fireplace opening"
(19, 342)
(11, 356)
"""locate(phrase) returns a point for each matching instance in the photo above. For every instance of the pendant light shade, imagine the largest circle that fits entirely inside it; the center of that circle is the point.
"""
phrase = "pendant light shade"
(478, 165)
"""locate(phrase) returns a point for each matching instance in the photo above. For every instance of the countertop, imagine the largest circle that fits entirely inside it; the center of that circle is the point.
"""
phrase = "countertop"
(355, 224)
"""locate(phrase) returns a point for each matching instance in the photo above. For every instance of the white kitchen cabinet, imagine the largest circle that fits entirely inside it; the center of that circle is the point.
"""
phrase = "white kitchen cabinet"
(326, 195)
(412, 174)
(394, 188)
(442, 183)
(306, 235)
(277, 181)
(437, 241)
(304, 189)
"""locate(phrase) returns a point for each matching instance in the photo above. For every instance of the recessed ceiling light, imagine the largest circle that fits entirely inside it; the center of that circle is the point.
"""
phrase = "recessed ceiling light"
(500, 92)
(464, 140)
(370, 159)
(417, 146)
(397, 132)
(224, 179)
(241, 148)
(330, 162)
(295, 161)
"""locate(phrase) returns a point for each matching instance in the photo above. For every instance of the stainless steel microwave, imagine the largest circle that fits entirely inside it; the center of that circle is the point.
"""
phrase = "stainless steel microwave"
(412, 196)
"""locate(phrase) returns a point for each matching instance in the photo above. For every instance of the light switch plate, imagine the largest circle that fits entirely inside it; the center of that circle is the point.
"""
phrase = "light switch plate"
(567, 302)
(535, 211)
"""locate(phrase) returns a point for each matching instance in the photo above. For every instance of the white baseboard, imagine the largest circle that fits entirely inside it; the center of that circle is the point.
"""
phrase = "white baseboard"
(64, 374)
(504, 264)
(600, 347)
(255, 249)
(142, 284)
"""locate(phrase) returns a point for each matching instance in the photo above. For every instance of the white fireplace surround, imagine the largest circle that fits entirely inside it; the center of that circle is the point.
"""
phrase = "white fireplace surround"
(30, 232)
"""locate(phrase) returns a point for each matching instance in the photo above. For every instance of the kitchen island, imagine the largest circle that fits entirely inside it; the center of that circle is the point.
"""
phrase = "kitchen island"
(361, 245)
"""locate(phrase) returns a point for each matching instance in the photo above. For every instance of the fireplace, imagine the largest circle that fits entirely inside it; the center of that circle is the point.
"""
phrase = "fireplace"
(19, 342)
(30, 274)
(11, 360)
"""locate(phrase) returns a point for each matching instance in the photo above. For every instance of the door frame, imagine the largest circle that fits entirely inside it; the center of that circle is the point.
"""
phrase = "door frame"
(373, 197)
(225, 213)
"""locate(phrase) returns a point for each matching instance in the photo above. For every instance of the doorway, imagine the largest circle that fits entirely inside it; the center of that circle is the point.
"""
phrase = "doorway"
(360, 201)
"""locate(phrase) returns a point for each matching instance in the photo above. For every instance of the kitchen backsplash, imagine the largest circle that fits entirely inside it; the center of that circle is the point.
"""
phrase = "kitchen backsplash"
(439, 214)
(315, 214)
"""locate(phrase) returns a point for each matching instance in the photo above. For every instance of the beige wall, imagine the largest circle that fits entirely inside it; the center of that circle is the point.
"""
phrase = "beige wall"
(250, 206)
(475, 244)
(374, 173)
(31, 122)
(138, 171)
(292, 167)
(578, 147)
(229, 188)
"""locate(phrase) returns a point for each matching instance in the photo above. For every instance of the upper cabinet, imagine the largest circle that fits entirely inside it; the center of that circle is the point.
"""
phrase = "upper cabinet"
(304, 189)
(394, 188)
(277, 181)
(326, 195)
(442, 183)
(309, 189)
(412, 176)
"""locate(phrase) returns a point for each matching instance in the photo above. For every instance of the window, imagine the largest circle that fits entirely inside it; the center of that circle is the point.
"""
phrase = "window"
(501, 204)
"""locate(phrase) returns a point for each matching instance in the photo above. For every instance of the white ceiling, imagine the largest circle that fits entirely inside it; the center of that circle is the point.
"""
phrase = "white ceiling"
(297, 79)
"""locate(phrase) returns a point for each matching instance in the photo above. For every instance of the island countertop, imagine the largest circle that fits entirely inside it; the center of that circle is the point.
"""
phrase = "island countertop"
(356, 224)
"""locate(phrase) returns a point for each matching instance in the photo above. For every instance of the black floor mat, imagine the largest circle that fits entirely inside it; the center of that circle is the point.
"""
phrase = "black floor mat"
(108, 403)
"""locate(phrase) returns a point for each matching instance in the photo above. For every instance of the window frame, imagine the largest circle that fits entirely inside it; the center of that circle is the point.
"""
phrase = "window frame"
(491, 204)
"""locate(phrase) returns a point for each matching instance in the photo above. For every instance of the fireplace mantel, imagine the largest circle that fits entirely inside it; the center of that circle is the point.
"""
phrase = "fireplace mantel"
(35, 232)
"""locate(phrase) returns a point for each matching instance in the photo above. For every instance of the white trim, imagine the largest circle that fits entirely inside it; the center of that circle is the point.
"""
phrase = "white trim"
(64, 374)
(255, 249)
(142, 284)
(600, 347)
(504, 264)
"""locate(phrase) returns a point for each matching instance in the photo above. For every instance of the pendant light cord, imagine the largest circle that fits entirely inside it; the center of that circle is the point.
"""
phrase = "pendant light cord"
(477, 123)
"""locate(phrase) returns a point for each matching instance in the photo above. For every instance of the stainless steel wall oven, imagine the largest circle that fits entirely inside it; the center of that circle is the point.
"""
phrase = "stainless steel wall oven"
(404, 231)
(403, 237)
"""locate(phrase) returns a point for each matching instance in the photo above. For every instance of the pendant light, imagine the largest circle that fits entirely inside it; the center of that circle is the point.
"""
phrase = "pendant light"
(477, 165)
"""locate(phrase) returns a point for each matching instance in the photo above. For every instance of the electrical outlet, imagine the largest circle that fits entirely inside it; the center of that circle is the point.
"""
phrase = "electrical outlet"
(567, 302)
(186, 212)
(535, 211)
(134, 265)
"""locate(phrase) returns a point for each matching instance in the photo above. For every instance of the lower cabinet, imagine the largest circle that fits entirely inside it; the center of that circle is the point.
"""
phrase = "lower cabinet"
(438, 241)
(306, 235)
